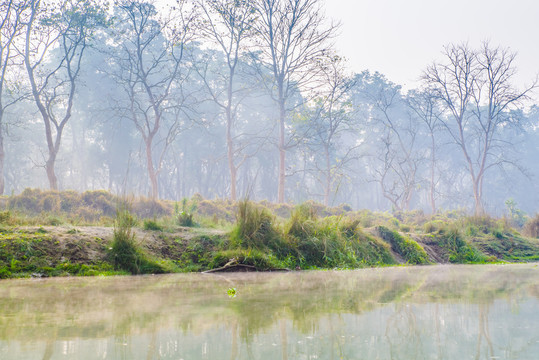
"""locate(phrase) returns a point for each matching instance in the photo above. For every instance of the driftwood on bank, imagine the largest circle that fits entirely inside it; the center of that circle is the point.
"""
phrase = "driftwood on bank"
(232, 268)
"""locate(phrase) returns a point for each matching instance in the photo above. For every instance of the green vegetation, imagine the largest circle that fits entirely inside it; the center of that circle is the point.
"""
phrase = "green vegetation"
(152, 225)
(126, 254)
(34, 252)
(161, 237)
(459, 250)
(409, 249)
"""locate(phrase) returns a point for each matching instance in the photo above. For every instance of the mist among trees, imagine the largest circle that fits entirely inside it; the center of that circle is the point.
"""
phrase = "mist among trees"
(249, 99)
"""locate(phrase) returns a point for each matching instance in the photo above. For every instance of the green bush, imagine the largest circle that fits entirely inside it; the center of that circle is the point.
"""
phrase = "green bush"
(5, 216)
(185, 215)
(152, 225)
(518, 217)
(185, 219)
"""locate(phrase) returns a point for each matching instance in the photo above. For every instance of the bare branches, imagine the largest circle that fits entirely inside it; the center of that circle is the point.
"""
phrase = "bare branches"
(55, 42)
(149, 55)
(293, 36)
(476, 90)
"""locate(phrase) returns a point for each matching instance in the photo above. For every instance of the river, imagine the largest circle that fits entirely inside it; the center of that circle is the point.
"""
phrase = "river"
(429, 312)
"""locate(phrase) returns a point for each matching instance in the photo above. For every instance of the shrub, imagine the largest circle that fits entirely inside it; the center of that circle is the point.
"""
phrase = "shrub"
(152, 225)
(50, 202)
(532, 227)
(185, 215)
(476, 225)
(5, 216)
(185, 219)
(518, 217)
(405, 228)
(69, 200)
(100, 199)
(429, 227)
(147, 208)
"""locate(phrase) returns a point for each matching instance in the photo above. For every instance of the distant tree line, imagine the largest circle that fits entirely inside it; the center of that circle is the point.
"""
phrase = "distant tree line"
(237, 98)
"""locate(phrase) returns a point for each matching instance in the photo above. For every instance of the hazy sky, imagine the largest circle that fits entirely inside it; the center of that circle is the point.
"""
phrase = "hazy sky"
(400, 38)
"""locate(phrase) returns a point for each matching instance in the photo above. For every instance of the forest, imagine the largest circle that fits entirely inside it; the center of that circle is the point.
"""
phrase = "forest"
(236, 99)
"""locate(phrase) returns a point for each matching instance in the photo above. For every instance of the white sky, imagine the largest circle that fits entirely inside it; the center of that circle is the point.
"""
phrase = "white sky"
(399, 38)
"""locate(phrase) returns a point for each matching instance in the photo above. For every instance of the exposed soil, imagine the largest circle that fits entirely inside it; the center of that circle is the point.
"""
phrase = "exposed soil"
(89, 244)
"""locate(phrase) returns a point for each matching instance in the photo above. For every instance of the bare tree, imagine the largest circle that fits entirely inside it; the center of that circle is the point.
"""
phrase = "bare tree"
(393, 138)
(227, 24)
(476, 90)
(148, 66)
(425, 106)
(328, 126)
(56, 40)
(293, 36)
(11, 25)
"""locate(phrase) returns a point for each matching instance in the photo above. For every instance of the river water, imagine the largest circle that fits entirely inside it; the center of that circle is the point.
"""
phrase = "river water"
(430, 312)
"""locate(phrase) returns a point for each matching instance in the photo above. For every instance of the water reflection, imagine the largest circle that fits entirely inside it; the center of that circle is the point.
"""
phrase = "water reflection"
(439, 312)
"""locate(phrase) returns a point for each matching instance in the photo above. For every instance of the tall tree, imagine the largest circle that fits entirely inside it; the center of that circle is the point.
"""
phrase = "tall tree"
(328, 125)
(293, 36)
(392, 137)
(11, 25)
(148, 54)
(227, 24)
(475, 87)
(56, 40)
(424, 105)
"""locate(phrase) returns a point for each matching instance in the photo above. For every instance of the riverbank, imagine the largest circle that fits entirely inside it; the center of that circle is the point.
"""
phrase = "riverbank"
(86, 251)
(39, 243)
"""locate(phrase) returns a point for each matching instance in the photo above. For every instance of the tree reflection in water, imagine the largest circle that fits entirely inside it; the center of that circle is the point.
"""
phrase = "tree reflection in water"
(441, 312)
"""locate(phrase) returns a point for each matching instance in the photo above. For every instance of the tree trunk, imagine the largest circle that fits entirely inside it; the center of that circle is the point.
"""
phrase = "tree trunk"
(51, 175)
(282, 153)
(230, 151)
(328, 177)
(2, 154)
(152, 173)
(432, 183)
(478, 204)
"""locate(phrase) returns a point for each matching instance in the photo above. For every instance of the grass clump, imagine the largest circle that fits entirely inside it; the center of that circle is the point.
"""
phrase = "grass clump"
(459, 250)
(410, 250)
(255, 229)
(185, 215)
(125, 252)
(152, 225)
(331, 242)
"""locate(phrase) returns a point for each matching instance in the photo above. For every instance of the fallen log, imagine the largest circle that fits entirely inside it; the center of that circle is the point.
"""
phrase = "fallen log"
(232, 268)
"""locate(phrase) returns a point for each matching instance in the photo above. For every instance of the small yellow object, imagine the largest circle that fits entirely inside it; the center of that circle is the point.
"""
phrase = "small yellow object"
(231, 292)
